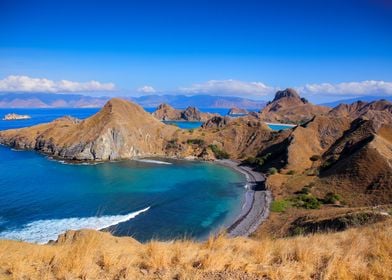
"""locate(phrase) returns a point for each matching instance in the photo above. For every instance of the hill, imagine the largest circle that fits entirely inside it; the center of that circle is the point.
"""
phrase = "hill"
(355, 99)
(120, 129)
(165, 112)
(289, 107)
(360, 253)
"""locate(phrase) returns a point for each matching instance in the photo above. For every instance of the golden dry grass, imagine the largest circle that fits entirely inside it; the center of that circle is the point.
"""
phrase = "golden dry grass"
(362, 253)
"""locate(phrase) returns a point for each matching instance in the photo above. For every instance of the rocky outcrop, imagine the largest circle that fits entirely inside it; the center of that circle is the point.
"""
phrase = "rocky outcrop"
(14, 116)
(289, 107)
(165, 112)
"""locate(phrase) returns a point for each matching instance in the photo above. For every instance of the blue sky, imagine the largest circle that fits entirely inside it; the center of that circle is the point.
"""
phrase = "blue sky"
(326, 49)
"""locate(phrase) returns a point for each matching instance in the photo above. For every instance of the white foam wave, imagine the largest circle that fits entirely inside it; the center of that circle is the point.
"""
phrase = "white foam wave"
(42, 231)
(153, 161)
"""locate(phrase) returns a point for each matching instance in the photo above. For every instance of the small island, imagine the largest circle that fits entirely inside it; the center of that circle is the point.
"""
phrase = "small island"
(237, 112)
(13, 116)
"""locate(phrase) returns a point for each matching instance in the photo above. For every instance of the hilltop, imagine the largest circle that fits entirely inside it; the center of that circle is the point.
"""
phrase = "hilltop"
(289, 107)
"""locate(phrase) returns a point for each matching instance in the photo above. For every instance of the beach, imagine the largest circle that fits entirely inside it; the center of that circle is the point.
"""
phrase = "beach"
(257, 201)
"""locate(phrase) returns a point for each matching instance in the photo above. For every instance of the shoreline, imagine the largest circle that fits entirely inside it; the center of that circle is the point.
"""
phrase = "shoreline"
(255, 209)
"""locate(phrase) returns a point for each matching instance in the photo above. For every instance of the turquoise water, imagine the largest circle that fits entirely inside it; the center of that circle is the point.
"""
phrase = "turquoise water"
(278, 127)
(41, 198)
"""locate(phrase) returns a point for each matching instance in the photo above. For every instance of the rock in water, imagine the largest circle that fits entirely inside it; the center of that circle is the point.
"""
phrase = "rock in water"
(14, 116)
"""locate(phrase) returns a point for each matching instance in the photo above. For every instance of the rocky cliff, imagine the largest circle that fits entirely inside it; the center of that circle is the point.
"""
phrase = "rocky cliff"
(167, 113)
(289, 107)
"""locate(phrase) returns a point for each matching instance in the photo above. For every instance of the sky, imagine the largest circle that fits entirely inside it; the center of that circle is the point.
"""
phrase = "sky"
(324, 49)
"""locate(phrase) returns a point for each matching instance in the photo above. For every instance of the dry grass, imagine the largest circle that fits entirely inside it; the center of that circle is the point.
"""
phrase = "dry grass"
(362, 253)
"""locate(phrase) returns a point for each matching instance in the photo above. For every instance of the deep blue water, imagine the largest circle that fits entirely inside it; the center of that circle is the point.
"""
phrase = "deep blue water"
(40, 198)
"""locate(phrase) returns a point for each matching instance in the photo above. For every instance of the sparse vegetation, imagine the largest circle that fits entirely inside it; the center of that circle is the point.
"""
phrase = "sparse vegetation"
(360, 253)
(219, 154)
(272, 171)
(172, 144)
(307, 201)
(290, 172)
(280, 205)
(257, 161)
(332, 198)
(199, 142)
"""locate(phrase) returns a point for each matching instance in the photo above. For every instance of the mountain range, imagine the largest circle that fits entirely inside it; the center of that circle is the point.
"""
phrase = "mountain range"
(47, 100)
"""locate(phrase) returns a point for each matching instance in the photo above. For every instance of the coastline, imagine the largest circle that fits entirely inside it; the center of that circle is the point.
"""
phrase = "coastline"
(255, 209)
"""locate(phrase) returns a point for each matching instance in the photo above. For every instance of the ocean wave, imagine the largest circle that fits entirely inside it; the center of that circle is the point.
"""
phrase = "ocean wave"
(153, 161)
(42, 231)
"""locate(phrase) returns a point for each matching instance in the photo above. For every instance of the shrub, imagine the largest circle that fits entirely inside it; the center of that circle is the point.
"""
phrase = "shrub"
(199, 142)
(307, 201)
(219, 154)
(279, 205)
(272, 170)
(291, 172)
(315, 158)
(332, 198)
(305, 190)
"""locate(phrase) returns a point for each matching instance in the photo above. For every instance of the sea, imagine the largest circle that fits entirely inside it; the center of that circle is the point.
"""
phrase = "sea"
(154, 198)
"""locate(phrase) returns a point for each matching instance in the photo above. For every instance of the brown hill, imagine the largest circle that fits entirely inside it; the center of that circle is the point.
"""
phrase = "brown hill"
(165, 112)
(352, 158)
(289, 107)
(222, 137)
(120, 130)
(380, 111)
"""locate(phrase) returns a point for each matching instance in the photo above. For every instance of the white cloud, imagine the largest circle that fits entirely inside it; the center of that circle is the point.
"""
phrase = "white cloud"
(349, 88)
(229, 87)
(146, 89)
(28, 84)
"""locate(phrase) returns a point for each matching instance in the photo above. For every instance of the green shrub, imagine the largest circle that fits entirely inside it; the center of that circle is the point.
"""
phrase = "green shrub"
(199, 142)
(307, 201)
(219, 154)
(280, 205)
(305, 190)
(332, 198)
(272, 170)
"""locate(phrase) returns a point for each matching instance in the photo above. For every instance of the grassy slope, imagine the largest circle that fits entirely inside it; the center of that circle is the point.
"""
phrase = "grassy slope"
(361, 253)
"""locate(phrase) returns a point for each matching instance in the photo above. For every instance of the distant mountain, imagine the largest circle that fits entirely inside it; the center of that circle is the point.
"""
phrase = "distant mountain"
(200, 101)
(352, 100)
(49, 100)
